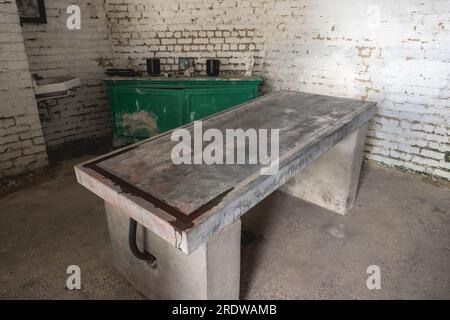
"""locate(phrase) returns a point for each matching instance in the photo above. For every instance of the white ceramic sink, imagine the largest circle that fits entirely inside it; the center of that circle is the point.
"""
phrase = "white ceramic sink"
(55, 85)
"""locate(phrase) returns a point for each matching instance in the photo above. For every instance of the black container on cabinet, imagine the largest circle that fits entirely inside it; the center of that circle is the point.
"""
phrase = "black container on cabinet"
(153, 66)
(212, 67)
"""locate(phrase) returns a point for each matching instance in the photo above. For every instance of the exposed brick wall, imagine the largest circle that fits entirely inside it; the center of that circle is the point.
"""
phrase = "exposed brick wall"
(54, 50)
(400, 59)
(22, 145)
(168, 30)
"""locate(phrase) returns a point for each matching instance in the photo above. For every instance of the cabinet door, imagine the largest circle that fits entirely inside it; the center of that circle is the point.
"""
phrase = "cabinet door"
(201, 103)
(141, 113)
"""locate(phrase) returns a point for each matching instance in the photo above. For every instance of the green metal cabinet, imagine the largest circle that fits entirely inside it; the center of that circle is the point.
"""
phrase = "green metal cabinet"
(144, 107)
(200, 103)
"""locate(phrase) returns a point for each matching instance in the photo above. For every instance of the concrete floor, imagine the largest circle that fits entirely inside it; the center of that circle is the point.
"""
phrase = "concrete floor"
(399, 223)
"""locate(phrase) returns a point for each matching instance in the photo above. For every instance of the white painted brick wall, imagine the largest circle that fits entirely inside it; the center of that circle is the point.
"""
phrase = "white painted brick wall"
(22, 145)
(400, 59)
(54, 50)
(143, 29)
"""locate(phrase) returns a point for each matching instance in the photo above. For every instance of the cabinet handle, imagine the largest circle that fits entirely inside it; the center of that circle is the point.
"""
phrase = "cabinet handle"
(146, 256)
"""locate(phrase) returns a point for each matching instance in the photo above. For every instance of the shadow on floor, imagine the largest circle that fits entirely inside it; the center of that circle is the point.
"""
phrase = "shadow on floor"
(301, 251)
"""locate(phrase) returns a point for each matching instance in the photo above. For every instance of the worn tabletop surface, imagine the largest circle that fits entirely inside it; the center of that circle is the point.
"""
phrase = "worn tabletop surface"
(188, 195)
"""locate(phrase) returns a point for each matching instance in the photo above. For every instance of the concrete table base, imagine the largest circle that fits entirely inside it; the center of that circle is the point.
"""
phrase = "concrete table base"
(210, 272)
(194, 232)
(331, 180)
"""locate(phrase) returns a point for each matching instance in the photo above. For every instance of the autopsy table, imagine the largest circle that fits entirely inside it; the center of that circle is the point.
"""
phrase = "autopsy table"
(175, 229)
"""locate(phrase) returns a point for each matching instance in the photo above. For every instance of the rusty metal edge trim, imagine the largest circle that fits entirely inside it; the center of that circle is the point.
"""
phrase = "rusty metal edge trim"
(183, 221)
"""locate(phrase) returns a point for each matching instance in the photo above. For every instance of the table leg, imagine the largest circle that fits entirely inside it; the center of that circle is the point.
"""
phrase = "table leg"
(331, 181)
(210, 272)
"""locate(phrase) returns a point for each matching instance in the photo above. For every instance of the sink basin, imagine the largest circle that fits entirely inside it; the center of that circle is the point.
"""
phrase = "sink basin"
(55, 85)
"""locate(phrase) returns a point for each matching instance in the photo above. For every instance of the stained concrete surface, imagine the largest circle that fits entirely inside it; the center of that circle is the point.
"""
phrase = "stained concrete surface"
(301, 251)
